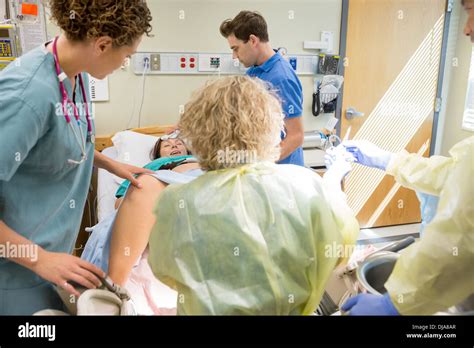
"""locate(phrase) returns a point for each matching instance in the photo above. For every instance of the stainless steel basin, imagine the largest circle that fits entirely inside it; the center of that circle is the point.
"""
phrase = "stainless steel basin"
(375, 270)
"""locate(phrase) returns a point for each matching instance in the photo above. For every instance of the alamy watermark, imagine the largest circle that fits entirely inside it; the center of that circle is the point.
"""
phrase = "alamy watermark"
(82, 109)
(10, 251)
(37, 331)
(336, 250)
(231, 156)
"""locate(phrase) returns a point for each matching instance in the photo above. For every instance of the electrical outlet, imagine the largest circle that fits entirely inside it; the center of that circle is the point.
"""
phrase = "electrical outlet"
(143, 60)
(155, 62)
(209, 62)
(146, 63)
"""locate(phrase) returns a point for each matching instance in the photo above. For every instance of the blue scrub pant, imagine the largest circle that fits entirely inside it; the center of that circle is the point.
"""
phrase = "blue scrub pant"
(28, 301)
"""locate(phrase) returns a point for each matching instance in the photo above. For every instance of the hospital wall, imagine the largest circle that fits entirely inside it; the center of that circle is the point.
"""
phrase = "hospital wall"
(199, 32)
(458, 59)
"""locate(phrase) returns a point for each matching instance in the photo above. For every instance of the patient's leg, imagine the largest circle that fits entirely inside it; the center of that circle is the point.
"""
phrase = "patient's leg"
(132, 227)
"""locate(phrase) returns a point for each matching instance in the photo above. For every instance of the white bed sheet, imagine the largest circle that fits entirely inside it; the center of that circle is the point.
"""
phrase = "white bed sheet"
(107, 185)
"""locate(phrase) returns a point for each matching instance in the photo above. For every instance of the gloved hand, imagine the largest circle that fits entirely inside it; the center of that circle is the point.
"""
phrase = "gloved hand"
(369, 304)
(368, 154)
(338, 162)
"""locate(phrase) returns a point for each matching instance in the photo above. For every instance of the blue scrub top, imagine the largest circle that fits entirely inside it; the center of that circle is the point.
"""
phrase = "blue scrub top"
(42, 197)
(281, 75)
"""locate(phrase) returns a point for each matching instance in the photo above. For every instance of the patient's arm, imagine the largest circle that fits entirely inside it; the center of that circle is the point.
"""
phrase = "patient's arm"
(133, 224)
(132, 227)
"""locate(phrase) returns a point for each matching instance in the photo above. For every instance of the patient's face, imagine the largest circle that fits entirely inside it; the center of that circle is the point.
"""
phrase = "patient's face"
(173, 148)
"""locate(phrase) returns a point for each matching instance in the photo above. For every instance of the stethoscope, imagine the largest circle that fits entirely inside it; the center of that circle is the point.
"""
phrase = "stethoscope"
(80, 139)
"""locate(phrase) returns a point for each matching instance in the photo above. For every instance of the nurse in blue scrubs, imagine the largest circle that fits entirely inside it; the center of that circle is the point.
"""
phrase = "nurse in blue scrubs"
(47, 149)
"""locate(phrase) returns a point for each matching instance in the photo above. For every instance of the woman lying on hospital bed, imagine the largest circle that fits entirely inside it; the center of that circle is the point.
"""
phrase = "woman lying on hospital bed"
(172, 164)
(169, 153)
(248, 236)
(118, 243)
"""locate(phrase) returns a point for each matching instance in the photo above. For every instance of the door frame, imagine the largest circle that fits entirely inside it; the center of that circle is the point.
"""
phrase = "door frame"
(441, 72)
(342, 54)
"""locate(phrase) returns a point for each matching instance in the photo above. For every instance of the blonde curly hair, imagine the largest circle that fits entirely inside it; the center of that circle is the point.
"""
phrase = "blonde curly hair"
(237, 118)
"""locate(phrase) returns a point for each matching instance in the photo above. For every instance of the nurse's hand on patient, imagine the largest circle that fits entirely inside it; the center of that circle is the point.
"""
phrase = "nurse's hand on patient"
(60, 269)
(127, 171)
(368, 154)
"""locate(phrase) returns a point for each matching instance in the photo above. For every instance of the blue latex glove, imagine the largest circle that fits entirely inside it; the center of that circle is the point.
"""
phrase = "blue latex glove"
(369, 304)
(368, 154)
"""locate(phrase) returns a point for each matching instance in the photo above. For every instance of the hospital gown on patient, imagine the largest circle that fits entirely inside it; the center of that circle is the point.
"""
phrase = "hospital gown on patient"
(258, 239)
(149, 295)
(97, 249)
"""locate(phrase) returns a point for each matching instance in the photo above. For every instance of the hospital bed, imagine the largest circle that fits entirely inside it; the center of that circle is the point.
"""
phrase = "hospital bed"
(100, 201)
(102, 198)
(106, 187)
(135, 144)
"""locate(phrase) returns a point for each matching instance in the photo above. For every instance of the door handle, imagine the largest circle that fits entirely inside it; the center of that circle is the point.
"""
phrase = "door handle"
(352, 112)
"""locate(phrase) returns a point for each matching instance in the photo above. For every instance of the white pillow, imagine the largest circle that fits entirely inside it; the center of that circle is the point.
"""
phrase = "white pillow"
(134, 148)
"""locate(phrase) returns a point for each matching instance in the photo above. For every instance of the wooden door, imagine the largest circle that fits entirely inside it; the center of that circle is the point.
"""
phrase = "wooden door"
(392, 62)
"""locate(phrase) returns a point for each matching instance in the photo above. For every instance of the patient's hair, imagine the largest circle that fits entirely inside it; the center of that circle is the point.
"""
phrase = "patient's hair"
(123, 21)
(236, 115)
(155, 153)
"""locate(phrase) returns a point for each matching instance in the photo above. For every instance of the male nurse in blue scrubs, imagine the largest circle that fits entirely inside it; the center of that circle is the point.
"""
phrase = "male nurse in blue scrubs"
(47, 151)
(248, 39)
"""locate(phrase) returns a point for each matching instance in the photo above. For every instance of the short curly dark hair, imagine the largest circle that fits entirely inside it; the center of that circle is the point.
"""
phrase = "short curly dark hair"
(123, 20)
